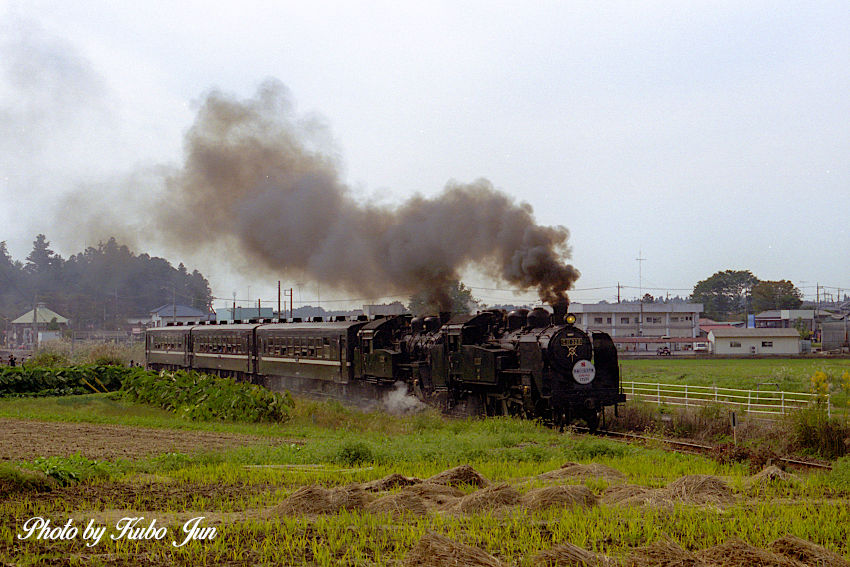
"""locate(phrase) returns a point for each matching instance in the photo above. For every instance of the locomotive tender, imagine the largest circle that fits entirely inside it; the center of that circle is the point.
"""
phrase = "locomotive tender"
(529, 364)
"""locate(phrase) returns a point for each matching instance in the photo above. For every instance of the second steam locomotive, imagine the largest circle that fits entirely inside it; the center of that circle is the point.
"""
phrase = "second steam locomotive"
(533, 364)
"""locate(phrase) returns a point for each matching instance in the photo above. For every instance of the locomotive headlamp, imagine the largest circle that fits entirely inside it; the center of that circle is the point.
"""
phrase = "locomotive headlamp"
(570, 319)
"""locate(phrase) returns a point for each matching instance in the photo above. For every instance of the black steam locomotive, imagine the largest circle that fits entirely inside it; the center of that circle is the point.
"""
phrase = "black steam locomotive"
(525, 363)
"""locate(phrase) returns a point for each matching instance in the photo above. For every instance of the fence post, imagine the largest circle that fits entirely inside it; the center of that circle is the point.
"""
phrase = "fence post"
(749, 400)
(715, 393)
(783, 403)
(686, 395)
(658, 392)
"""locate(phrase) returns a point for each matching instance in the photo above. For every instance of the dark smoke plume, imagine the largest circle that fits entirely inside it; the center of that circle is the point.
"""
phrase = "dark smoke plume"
(255, 181)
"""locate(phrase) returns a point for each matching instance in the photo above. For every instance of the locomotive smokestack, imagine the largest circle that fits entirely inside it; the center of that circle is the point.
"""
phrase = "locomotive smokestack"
(258, 186)
(559, 310)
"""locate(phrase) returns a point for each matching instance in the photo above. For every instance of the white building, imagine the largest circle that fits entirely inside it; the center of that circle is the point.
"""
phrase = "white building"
(754, 341)
(639, 319)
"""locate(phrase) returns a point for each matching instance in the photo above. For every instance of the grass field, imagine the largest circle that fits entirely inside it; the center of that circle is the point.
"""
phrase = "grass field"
(243, 479)
(788, 374)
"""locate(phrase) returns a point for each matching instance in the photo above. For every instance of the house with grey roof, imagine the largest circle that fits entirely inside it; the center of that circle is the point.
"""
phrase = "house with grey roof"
(35, 326)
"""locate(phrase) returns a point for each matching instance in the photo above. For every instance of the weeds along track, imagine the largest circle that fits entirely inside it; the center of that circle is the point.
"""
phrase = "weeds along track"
(692, 447)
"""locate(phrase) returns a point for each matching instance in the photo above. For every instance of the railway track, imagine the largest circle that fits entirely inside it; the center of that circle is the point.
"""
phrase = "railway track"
(691, 447)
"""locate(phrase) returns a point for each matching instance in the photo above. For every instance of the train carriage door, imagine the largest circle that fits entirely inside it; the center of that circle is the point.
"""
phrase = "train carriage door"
(344, 360)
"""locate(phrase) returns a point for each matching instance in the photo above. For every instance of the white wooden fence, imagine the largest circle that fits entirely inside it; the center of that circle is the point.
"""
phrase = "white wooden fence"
(765, 402)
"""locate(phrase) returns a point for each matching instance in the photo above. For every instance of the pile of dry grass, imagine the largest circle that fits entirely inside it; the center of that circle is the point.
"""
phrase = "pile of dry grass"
(769, 475)
(435, 495)
(562, 496)
(314, 499)
(737, 553)
(625, 493)
(434, 550)
(569, 555)
(399, 503)
(699, 489)
(459, 476)
(807, 552)
(487, 499)
(576, 470)
(663, 553)
(389, 482)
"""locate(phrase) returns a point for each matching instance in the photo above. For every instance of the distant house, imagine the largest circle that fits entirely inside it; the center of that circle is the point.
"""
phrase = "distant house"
(46, 322)
(754, 341)
(786, 319)
(707, 325)
(162, 316)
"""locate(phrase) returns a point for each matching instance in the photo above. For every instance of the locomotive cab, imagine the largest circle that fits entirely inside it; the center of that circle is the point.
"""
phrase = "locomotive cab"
(379, 356)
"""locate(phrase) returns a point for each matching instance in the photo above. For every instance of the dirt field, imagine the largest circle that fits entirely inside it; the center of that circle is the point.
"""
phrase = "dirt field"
(25, 439)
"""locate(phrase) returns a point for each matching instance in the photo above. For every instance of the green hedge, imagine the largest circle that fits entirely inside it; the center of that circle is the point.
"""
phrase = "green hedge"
(203, 397)
(70, 380)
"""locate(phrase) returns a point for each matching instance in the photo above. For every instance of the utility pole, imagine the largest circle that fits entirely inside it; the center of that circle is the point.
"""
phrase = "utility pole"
(233, 313)
(278, 300)
(618, 292)
(640, 260)
(35, 322)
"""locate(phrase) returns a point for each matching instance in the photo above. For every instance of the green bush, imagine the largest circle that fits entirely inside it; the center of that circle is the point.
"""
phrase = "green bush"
(816, 432)
(203, 397)
(354, 453)
(48, 359)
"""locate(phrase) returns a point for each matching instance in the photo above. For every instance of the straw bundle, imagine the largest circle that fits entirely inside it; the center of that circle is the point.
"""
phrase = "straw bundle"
(564, 496)
(458, 476)
(807, 552)
(435, 550)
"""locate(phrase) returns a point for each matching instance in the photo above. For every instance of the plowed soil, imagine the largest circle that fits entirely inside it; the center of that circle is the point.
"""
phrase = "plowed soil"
(26, 439)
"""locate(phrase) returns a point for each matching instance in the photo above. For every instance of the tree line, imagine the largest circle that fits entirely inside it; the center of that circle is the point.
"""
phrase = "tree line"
(732, 294)
(98, 288)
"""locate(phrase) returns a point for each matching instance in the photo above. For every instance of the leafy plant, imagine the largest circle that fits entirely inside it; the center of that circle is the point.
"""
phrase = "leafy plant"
(197, 396)
(59, 381)
(73, 469)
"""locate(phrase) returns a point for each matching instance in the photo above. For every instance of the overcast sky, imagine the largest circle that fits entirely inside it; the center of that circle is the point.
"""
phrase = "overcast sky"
(701, 136)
